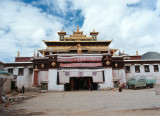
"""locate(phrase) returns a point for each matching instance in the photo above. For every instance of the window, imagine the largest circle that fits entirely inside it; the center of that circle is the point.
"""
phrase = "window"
(20, 72)
(10, 70)
(30, 70)
(146, 68)
(156, 69)
(137, 69)
(128, 70)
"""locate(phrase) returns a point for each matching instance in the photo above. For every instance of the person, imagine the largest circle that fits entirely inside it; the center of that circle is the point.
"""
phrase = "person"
(16, 89)
(23, 89)
(98, 87)
(120, 87)
(91, 87)
(123, 86)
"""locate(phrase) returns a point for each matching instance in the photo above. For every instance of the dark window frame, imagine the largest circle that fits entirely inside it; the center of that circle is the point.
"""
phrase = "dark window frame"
(156, 66)
(10, 70)
(30, 70)
(128, 69)
(20, 71)
(146, 68)
(137, 69)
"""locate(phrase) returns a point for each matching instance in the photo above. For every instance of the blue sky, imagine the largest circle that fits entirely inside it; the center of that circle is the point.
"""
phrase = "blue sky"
(133, 24)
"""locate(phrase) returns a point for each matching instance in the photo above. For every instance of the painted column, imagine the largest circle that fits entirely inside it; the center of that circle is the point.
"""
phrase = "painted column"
(108, 84)
(72, 84)
(52, 81)
(0, 97)
(89, 82)
(35, 81)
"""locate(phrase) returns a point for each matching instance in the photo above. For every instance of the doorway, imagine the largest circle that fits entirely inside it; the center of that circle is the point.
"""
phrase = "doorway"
(80, 83)
(13, 85)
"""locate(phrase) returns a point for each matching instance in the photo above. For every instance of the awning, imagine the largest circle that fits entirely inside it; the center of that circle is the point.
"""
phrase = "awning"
(64, 76)
(4, 75)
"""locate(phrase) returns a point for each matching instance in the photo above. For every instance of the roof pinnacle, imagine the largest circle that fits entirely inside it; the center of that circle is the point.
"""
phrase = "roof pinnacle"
(78, 28)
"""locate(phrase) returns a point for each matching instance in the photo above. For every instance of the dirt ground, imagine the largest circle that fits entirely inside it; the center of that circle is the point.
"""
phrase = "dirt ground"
(142, 102)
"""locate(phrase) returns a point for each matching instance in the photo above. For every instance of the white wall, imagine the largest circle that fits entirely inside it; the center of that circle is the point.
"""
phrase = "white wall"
(148, 75)
(25, 79)
(119, 74)
(108, 84)
(42, 76)
(52, 81)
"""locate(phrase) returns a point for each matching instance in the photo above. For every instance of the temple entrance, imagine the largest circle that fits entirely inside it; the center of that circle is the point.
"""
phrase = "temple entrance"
(80, 83)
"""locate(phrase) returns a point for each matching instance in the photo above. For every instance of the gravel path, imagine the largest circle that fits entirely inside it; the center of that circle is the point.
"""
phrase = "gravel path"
(96, 103)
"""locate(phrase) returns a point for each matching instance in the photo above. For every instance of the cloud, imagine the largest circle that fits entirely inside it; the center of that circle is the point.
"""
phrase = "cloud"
(134, 24)
(23, 27)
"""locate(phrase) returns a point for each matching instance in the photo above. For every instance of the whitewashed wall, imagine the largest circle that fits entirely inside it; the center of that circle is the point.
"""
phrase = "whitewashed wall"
(25, 79)
(108, 84)
(52, 81)
(42, 76)
(148, 75)
(119, 74)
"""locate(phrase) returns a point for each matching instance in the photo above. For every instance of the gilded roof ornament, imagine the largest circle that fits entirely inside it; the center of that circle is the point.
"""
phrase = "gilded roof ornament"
(137, 52)
(78, 28)
(93, 30)
(34, 53)
(18, 54)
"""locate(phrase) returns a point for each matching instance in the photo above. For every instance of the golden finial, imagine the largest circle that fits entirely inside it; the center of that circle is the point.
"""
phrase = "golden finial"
(93, 30)
(78, 28)
(34, 53)
(18, 54)
(123, 52)
(43, 53)
(137, 52)
(62, 30)
(79, 51)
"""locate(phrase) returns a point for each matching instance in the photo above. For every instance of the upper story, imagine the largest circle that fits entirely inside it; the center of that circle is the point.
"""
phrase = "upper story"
(78, 36)
(77, 43)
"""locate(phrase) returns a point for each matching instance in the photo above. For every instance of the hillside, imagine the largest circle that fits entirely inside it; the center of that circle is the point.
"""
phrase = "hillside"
(151, 55)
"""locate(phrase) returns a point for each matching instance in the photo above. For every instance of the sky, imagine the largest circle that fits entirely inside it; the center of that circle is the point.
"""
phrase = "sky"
(132, 24)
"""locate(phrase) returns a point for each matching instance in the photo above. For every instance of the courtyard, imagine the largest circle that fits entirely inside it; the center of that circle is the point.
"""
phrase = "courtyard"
(86, 103)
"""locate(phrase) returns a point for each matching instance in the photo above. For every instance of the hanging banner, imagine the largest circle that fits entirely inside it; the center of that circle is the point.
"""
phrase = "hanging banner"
(64, 76)
(80, 64)
(79, 58)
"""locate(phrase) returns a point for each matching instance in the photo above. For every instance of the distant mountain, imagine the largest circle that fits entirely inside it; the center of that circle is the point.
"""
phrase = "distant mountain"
(151, 55)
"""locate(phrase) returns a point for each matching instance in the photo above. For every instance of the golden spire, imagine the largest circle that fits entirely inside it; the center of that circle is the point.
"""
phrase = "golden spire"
(137, 52)
(78, 28)
(18, 54)
(43, 53)
(93, 30)
(123, 52)
(62, 30)
(34, 53)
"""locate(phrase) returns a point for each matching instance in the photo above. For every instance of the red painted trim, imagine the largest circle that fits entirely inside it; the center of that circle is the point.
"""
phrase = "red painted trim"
(35, 78)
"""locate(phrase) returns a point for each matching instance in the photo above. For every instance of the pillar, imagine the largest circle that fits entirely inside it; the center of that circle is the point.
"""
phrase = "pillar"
(0, 96)
(71, 84)
(89, 82)
(35, 80)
